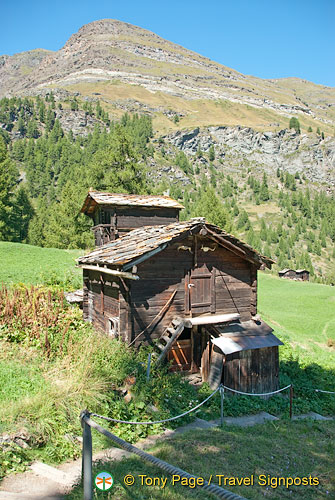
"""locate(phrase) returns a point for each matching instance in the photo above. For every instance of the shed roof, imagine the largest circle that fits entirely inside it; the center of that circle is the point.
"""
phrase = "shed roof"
(283, 271)
(95, 198)
(244, 336)
(139, 244)
(302, 271)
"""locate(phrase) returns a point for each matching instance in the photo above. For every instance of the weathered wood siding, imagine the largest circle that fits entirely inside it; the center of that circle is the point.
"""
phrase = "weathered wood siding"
(253, 370)
(134, 217)
(232, 282)
(160, 277)
(101, 299)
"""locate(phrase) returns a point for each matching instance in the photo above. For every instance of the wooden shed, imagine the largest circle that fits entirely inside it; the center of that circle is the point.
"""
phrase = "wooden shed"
(179, 286)
(115, 214)
(302, 274)
(299, 274)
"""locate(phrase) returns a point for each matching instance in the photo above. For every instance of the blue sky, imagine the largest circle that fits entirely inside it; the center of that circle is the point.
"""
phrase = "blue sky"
(265, 38)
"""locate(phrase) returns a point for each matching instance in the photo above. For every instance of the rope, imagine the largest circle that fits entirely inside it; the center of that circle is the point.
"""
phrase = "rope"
(212, 488)
(252, 394)
(325, 392)
(157, 421)
(161, 312)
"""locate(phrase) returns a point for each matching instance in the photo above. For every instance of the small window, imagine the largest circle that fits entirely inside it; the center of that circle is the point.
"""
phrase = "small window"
(113, 327)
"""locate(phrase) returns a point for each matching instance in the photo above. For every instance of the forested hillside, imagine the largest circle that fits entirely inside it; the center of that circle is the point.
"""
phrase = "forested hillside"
(47, 167)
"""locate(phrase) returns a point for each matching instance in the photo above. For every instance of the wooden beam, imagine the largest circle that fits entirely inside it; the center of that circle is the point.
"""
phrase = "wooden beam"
(211, 319)
(113, 272)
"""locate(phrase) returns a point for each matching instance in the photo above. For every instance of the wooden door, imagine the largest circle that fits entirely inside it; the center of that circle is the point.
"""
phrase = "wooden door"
(201, 290)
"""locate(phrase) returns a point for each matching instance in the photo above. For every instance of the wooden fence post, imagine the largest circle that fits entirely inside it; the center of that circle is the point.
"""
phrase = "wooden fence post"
(291, 401)
(87, 457)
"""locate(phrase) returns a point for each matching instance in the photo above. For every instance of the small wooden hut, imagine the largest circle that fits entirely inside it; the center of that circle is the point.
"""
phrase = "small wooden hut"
(190, 288)
(302, 274)
(299, 274)
(115, 214)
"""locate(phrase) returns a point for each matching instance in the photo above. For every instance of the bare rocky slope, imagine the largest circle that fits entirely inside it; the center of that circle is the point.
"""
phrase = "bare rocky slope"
(113, 51)
(194, 101)
(287, 150)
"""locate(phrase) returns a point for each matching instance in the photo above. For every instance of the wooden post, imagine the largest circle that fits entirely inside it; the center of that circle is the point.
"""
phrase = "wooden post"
(222, 399)
(87, 457)
(291, 401)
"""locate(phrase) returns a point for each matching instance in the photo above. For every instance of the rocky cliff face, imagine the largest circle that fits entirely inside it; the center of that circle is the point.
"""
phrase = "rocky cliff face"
(15, 69)
(110, 50)
(307, 154)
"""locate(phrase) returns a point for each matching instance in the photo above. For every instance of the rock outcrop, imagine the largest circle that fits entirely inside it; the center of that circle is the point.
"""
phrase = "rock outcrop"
(306, 154)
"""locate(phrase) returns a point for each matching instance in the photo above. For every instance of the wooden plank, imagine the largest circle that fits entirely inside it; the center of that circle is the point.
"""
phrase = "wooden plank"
(113, 272)
(205, 362)
(213, 291)
(215, 370)
(253, 301)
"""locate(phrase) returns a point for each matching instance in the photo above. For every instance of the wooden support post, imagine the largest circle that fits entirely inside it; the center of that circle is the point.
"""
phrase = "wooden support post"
(87, 457)
(291, 401)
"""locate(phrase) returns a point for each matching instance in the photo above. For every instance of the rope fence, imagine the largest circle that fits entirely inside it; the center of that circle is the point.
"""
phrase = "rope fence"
(253, 394)
(221, 388)
(88, 423)
(158, 421)
(324, 392)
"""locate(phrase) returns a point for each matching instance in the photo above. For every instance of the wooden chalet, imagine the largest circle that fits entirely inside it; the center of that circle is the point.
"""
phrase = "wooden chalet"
(190, 288)
(115, 214)
(299, 274)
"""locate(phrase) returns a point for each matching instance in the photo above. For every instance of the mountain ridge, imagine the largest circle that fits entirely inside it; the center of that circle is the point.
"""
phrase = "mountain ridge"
(110, 53)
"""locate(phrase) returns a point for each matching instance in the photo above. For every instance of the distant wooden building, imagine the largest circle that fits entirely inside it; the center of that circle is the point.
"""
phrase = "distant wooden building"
(302, 274)
(191, 288)
(115, 214)
(299, 274)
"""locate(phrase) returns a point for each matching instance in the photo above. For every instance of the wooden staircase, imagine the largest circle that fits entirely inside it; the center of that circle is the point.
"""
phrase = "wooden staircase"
(169, 336)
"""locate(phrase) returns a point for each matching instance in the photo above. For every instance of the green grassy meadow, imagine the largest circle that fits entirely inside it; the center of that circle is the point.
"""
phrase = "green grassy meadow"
(34, 265)
(302, 313)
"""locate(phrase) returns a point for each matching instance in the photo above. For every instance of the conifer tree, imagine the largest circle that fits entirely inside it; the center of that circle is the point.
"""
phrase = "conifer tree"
(66, 227)
(294, 123)
(21, 215)
(211, 153)
(8, 180)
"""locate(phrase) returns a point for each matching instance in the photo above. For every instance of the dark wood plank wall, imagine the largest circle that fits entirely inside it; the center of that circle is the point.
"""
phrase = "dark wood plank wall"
(253, 370)
(102, 299)
(138, 216)
(233, 289)
(85, 295)
(160, 276)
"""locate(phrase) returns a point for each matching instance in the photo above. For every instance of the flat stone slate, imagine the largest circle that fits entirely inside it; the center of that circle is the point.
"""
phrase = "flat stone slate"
(312, 415)
(198, 423)
(247, 420)
(52, 474)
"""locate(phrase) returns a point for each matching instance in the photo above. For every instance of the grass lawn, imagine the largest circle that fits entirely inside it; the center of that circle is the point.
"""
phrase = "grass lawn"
(302, 313)
(33, 265)
(283, 449)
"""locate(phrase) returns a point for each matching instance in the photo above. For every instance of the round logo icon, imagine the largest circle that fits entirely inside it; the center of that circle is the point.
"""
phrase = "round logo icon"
(104, 481)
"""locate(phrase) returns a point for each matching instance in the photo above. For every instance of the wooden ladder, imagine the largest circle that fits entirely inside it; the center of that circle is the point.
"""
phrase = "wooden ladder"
(169, 336)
